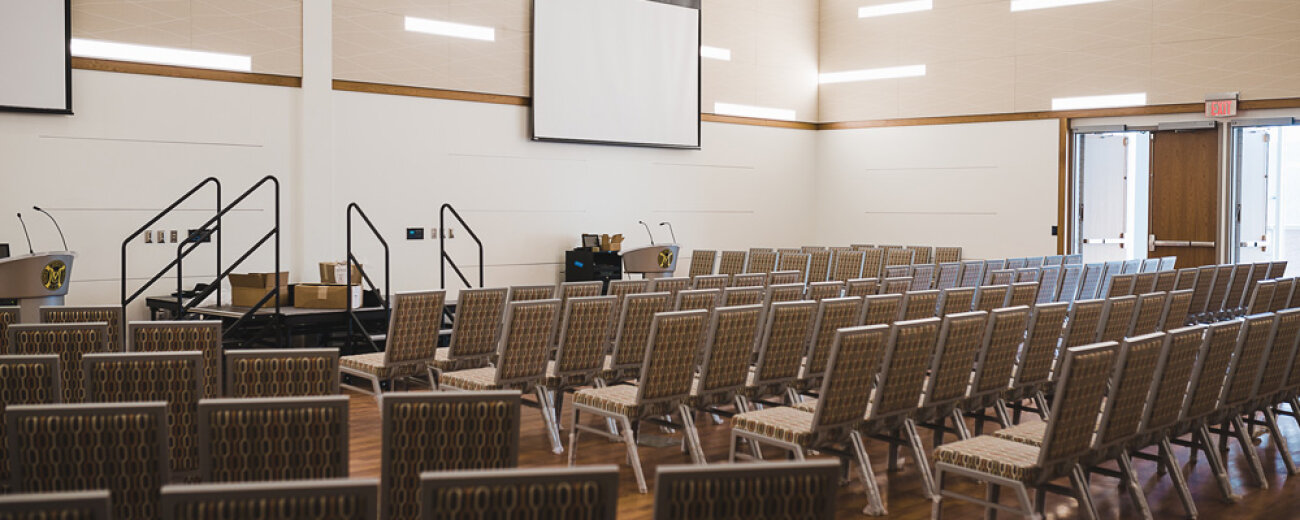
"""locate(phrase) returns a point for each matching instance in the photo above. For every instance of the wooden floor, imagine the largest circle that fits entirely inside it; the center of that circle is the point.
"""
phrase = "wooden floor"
(902, 490)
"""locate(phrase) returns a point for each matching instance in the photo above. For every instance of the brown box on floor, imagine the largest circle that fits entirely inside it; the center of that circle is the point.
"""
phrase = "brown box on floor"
(332, 272)
(247, 289)
(325, 295)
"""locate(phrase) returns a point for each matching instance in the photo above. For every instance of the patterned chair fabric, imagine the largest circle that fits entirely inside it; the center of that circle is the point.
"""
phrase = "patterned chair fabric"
(1022, 293)
(784, 278)
(1224, 279)
(412, 338)
(1186, 279)
(788, 292)
(633, 331)
(338, 499)
(440, 431)
(797, 262)
(862, 287)
(1028, 274)
(693, 299)
(1146, 316)
(902, 374)
(898, 271)
(8, 316)
(731, 262)
(896, 285)
(1261, 297)
(670, 285)
(947, 254)
(1001, 277)
(1282, 346)
(819, 291)
(179, 336)
(282, 372)
(1282, 295)
(174, 377)
(1144, 283)
(1016, 263)
(121, 447)
(568, 290)
(749, 280)
(733, 333)
(711, 281)
(620, 289)
(956, 300)
(1182, 346)
(72, 505)
(69, 341)
(525, 348)
(1117, 318)
(284, 438)
(919, 304)
(960, 338)
(734, 492)
(922, 277)
(1119, 285)
(476, 330)
(108, 314)
(1084, 323)
(1177, 307)
(1252, 351)
(873, 262)
(989, 297)
(972, 273)
(527, 293)
(924, 254)
(1210, 374)
(819, 264)
(899, 256)
(1204, 281)
(734, 296)
(991, 268)
(785, 341)
(881, 309)
(947, 275)
(832, 315)
(997, 359)
(1165, 281)
(1048, 285)
(761, 262)
(1069, 284)
(581, 351)
(1042, 341)
(586, 492)
(702, 262)
(30, 379)
(666, 375)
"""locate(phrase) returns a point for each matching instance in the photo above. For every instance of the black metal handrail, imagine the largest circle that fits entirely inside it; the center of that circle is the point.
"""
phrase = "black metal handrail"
(126, 300)
(351, 260)
(442, 247)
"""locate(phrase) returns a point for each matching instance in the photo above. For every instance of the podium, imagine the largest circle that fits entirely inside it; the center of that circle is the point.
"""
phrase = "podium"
(36, 280)
(652, 261)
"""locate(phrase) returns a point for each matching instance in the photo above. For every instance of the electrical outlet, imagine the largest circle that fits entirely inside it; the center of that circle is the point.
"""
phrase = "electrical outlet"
(148, 236)
(175, 235)
(451, 232)
(162, 237)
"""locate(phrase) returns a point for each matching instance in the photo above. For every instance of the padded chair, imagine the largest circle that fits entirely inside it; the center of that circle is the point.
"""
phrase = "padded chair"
(32, 379)
(1116, 318)
(1258, 273)
(1052, 260)
(1131, 266)
(1144, 282)
(956, 300)
(919, 304)
(731, 262)
(797, 262)
(1033, 374)
(8, 316)
(847, 265)
(619, 289)
(873, 262)
(947, 276)
(731, 340)
(749, 280)
(788, 292)
(633, 330)
(1119, 285)
(341, 499)
(1048, 285)
(727, 492)
(440, 431)
(282, 372)
(972, 273)
(1178, 357)
(671, 286)
(1176, 310)
(62, 447)
(1148, 313)
(1277, 269)
(1035, 261)
(1022, 293)
(922, 277)
(1282, 295)
(786, 334)
(711, 281)
(818, 291)
(706, 299)
(521, 361)
(895, 285)
(1224, 279)
(898, 256)
(526, 293)
(832, 314)
(881, 309)
(568, 290)
(1165, 281)
(413, 329)
(174, 377)
(995, 365)
(1070, 277)
(991, 267)
(1205, 280)
(898, 271)
(1186, 278)
(280, 438)
(72, 505)
(179, 336)
(1150, 265)
(580, 355)
(1029, 274)
(1014, 264)
(862, 287)
(589, 492)
(1270, 383)
(989, 297)
(1075, 259)
(108, 314)
(961, 338)
(664, 388)
(784, 278)
(1001, 277)
(734, 296)
(761, 262)
(1084, 324)
(1208, 383)
(947, 254)
(701, 262)
(819, 264)
(70, 341)
(1261, 297)
(1243, 375)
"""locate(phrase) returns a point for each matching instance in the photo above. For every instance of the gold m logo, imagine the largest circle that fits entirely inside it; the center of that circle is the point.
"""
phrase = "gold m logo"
(54, 275)
(665, 258)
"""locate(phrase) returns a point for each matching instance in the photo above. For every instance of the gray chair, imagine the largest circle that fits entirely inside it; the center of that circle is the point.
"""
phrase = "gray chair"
(337, 499)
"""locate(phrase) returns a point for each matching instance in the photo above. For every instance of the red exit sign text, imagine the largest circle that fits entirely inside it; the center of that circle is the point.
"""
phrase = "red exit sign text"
(1221, 108)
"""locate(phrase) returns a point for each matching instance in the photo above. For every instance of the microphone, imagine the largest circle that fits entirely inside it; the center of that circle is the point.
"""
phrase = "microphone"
(29, 237)
(670, 230)
(647, 231)
(56, 226)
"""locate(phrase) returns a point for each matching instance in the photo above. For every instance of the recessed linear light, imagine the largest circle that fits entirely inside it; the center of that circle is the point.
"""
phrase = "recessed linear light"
(716, 53)
(457, 30)
(160, 55)
(731, 109)
(869, 11)
(906, 71)
(1026, 5)
(1107, 101)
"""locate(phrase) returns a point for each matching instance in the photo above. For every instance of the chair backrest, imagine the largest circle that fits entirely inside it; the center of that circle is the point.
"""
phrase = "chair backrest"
(1074, 259)
(902, 373)
(761, 250)
(811, 249)
(972, 273)
(1070, 277)
(898, 271)
(956, 300)
(277, 438)
(991, 266)
(785, 341)
(525, 293)
(1001, 277)
(896, 285)
(1049, 284)
(1225, 276)
(1168, 263)
(128, 459)
(1119, 285)
(353, 499)
(873, 262)
(960, 338)
(729, 346)
(282, 372)
(734, 296)
(670, 285)
(899, 256)
(634, 327)
(1035, 261)
(72, 505)
(862, 287)
(1144, 283)
(692, 299)
(749, 280)
(989, 297)
(702, 262)
(1137, 367)
(589, 492)
(731, 262)
(1177, 307)
(1150, 265)
(761, 262)
(1002, 340)
(922, 277)
(1186, 278)
(1177, 359)
(1282, 294)
(1204, 283)
(1277, 269)
(1259, 272)
(1116, 318)
(806, 488)
(1132, 266)
(1242, 276)
(1090, 285)
(847, 265)
(881, 309)
(1028, 274)
(109, 314)
(1211, 370)
(1261, 297)
(1016, 263)
(919, 304)
(924, 254)
(1051, 260)
(1148, 313)
(786, 292)
(620, 289)
(69, 341)
(413, 329)
(947, 276)
(1084, 323)
(8, 316)
(568, 290)
(1165, 281)
(784, 250)
(669, 367)
(711, 281)
(818, 291)
(852, 363)
(581, 351)
(174, 336)
(174, 377)
(784, 278)
(797, 262)
(832, 314)
(526, 344)
(1022, 293)
(1085, 372)
(1252, 352)
(947, 254)
(1281, 353)
(1042, 340)
(32, 379)
(440, 431)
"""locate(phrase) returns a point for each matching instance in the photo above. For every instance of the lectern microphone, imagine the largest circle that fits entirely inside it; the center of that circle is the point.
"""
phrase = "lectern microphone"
(647, 231)
(670, 230)
(56, 226)
(29, 237)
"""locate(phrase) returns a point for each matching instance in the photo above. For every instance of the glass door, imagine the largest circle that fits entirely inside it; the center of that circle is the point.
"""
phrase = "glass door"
(1266, 174)
(1111, 172)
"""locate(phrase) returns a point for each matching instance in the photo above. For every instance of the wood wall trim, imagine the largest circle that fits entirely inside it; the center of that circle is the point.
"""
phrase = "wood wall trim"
(1182, 108)
(433, 93)
(753, 121)
(172, 71)
(1062, 176)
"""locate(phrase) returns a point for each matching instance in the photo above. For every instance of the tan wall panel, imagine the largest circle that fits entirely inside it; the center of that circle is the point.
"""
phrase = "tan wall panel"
(1089, 72)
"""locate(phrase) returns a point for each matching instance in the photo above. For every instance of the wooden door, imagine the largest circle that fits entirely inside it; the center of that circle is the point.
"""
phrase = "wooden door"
(1185, 195)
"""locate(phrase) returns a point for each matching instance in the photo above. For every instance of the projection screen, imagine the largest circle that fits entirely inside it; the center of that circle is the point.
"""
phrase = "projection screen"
(34, 61)
(617, 72)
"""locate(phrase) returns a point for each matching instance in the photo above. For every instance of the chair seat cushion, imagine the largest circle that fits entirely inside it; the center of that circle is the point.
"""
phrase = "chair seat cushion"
(809, 404)
(1030, 433)
(442, 361)
(619, 399)
(993, 456)
(555, 381)
(368, 363)
(782, 423)
(473, 379)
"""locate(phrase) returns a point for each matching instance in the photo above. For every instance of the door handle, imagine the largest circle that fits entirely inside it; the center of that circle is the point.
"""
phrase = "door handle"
(1201, 244)
(1170, 243)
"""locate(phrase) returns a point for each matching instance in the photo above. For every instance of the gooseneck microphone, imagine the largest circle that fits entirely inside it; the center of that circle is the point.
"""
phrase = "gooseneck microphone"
(670, 230)
(56, 226)
(647, 231)
(29, 237)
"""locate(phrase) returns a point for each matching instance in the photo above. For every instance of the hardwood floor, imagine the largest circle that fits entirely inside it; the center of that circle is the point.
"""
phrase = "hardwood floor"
(902, 490)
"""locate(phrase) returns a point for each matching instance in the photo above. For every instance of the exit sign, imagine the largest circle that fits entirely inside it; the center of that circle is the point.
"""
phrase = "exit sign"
(1221, 105)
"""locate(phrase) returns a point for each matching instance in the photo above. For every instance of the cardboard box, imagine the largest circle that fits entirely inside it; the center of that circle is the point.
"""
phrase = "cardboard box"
(326, 295)
(332, 272)
(247, 289)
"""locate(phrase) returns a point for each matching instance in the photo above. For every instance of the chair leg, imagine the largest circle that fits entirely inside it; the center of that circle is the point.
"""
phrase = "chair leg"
(1040, 401)
(434, 380)
(557, 404)
(959, 424)
(1279, 441)
(573, 438)
(548, 418)
(936, 509)
(875, 506)
(691, 434)
(892, 462)
(629, 438)
(1000, 409)
(991, 494)
(1087, 509)
(731, 454)
(1202, 436)
(1026, 506)
(379, 392)
(1135, 486)
(922, 462)
(1248, 448)
(1170, 463)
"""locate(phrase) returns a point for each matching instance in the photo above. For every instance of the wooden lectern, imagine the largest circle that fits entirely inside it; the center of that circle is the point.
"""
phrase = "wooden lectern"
(36, 280)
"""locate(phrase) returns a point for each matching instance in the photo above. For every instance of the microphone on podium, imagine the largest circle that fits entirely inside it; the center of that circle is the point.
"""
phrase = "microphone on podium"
(670, 230)
(29, 237)
(56, 226)
(647, 231)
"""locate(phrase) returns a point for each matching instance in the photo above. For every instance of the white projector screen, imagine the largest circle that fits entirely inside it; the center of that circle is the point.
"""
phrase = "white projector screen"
(617, 72)
(35, 67)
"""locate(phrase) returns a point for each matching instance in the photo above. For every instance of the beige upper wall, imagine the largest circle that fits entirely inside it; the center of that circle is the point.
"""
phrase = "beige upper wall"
(983, 58)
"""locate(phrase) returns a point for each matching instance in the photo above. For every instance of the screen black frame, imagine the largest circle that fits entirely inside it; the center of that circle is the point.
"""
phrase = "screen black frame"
(67, 72)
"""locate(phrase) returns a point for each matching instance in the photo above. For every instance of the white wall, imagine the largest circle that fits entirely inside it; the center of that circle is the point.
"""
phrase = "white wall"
(988, 187)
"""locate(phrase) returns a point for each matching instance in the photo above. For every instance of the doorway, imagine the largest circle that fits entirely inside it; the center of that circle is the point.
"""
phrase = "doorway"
(1112, 179)
(1266, 185)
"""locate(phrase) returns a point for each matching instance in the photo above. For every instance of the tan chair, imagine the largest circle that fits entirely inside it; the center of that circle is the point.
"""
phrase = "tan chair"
(996, 267)
(440, 431)
(996, 364)
(947, 276)
(873, 262)
(947, 254)
(521, 361)
(701, 262)
(350, 499)
(568, 290)
(1277, 269)
(847, 265)
(282, 372)
(788, 292)
(896, 255)
(1148, 313)
(1022, 293)
(881, 309)
(32, 379)
(956, 300)
(819, 264)
(1028, 274)
(633, 330)
(619, 289)
(179, 336)
(786, 333)
(785, 278)
(8, 316)
(1049, 285)
(961, 338)
(1243, 375)
(108, 314)
(989, 297)
(1119, 285)
(732, 337)
(589, 492)
(706, 299)
(761, 262)
(898, 271)
(265, 439)
(734, 296)
(1084, 324)
(476, 329)
(972, 273)
(731, 262)
(1001, 277)
(1144, 283)
(1186, 279)
(1033, 374)
(1282, 295)
(1177, 307)
(527, 293)
(862, 287)
(1116, 318)
(1165, 281)
(61, 447)
(684, 491)
(832, 314)
(922, 277)
(1227, 276)
(1208, 382)
(1179, 355)
(819, 291)
(671, 286)
(711, 281)
(70, 341)
(1270, 383)
(1261, 297)
(72, 505)
(749, 280)
(664, 388)
(919, 304)
(412, 342)
(924, 254)
(1204, 281)
(580, 355)
(797, 262)
(895, 285)
(1071, 278)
